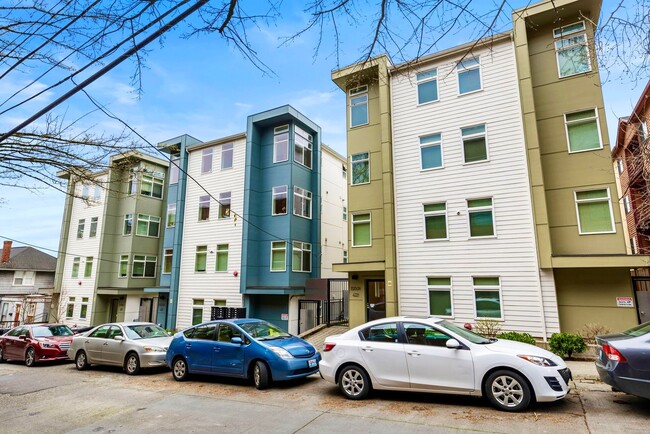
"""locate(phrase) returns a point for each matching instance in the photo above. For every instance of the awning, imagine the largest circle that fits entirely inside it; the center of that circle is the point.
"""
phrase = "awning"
(158, 289)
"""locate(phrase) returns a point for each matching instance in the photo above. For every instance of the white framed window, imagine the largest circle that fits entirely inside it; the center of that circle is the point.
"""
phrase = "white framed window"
(278, 256)
(174, 170)
(197, 311)
(83, 313)
(132, 186)
(344, 171)
(345, 214)
(620, 166)
(224, 205)
(431, 151)
(222, 258)
(93, 227)
(358, 106)
(24, 278)
(475, 146)
(128, 224)
(302, 148)
(168, 255)
(279, 200)
(171, 215)
(427, 83)
(440, 296)
(361, 230)
(85, 192)
(88, 268)
(219, 303)
(626, 204)
(583, 130)
(98, 193)
(206, 161)
(75, 266)
(360, 168)
(487, 297)
(435, 221)
(69, 310)
(281, 143)
(80, 228)
(469, 75)
(480, 213)
(572, 50)
(301, 259)
(227, 154)
(144, 266)
(345, 256)
(123, 271)
(147, 226)
(152, 185)
(201, 259)
(633, 246)
(204, 208)
(594, 211)
(301, 202)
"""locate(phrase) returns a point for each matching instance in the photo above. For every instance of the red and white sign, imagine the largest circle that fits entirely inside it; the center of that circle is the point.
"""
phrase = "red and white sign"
(624, 302)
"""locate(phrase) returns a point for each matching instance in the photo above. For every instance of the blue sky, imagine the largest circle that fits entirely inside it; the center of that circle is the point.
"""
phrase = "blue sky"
(203, 87)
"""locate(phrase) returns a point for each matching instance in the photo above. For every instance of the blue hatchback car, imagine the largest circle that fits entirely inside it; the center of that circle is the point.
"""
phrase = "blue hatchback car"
(243, 348)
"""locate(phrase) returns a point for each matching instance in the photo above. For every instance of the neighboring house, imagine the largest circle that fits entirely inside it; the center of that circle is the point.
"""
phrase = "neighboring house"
(26, 285)
(110, 242)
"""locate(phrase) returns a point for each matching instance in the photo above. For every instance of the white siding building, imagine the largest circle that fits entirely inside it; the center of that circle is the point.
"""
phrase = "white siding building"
(334, 227)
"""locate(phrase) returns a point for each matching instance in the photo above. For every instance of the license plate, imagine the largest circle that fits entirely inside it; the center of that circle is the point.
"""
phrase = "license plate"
(312, 363)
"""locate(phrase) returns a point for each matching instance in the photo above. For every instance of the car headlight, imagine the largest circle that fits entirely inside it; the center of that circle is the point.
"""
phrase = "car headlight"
(47, 345)
(281, 352)
(152, 349)
(539, 361)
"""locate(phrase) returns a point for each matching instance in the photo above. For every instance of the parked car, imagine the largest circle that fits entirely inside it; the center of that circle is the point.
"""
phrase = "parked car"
(243, 348)
(434, 355)
(36, 343)
(624, 360)
(131, 345)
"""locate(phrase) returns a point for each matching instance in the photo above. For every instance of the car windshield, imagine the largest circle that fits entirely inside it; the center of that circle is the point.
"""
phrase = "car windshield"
(464, 333)
(145, 331)
(639, 330)
(264, 331)
(49, 331)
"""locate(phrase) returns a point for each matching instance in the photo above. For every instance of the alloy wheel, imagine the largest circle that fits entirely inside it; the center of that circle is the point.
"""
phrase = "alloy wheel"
(352, 382)
(507, 391)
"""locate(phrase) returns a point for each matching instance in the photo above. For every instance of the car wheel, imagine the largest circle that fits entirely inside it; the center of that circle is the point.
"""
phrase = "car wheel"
(30, 357)
(132, 364)
(81, 361)
(354, 382)
(179, 369)
(261, 375)
(508, 391)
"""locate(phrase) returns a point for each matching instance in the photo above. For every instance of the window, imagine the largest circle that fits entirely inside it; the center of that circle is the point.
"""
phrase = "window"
(345, 214)
(435, 221)
(93, 227)
(301, 260)
(381, 333)
(167, 261)
(281, 143)
(427, 82)
(469, 76)
(152, 186)
(481, 219)
(594, 210)
(582, 130)
(222, 257)
(80, 228)
(474, 144)
(220, 303)
(431, 151)
(128, 224)
(206, 161)
(280, 200)
(422, 334)
(302, 147)
(144, 266)
(201, 258)
(98, 193)
(643, 130)
(69, 311)
(88, 268)
(344, 171)
(487, 297)
(25, 278)
(224, 205)
(278, 256)
(197, 312)
(360, 168)
(171, 215)
(124, 266)
(633, 247)
(620, 166)
(75, 266)
(174, 170)
(85, 192)
(301, 202)
(84, 308)
(148, 225)
(440, 296)
(133, 184)
(626, 204)
(345, 256)
(204, 208)
(227, 153)
(358, 106)
(572, 52)
(361, 230)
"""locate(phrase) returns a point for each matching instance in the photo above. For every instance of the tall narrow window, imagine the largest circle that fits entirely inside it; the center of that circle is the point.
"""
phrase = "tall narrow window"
(358, 106)
(69, 311)
(620, 166)
(204, 208)
(227, 153)
(594, 209)
(278, 256)
(440, 296)
(224, 205)
(345, 256)
(197, 311)
(93, 227)
(206, 161)
(128, 224)
(84, 308)
(487, 296)
(201, 258)
(80, 228)
(171, 215)
(281, 143)
(345, 214)
(167, 261)
(174, 170)
(301, 202)
(469, 76)
(361, 233)
(222, 257)
(474, 143)
(144, 266)
(85, 192)
(147, 226)
(303, 142)
(280, 200)
(98, 193)
(582, 129)
(435, 221)
(360, 168)
(431, 151)
(301, 259)
(481, 218)
(571, 50)
(626, 204)
(151, 185)
(88, 269)
(124, 266)
(132, 186)
(344, 171)
(633, 246)
(427, 83)
(75, 266)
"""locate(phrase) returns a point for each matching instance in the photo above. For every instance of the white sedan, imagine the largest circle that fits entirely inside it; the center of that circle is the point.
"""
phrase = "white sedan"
(426, 354)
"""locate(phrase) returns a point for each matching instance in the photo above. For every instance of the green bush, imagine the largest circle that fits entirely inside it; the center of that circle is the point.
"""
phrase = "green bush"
(566, 344)
(519, 337)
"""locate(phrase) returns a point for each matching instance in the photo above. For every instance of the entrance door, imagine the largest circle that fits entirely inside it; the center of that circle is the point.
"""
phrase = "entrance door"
(146, 305)
(115, 303)
(643, 302)
(375, 300)
(17, 315)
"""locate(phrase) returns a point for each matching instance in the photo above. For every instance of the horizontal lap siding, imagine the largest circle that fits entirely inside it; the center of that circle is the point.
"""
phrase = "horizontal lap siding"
(511, 255)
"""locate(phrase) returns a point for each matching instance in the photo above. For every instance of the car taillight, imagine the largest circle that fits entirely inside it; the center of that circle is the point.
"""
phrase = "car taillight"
(613, 354)
(328, 346)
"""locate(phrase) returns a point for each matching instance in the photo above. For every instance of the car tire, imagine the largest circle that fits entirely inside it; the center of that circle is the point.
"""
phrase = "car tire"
(81, 361)
(179, 369)
(132, 364)
(261, 377)
(508, 391)
(30, 357)
(354, 382)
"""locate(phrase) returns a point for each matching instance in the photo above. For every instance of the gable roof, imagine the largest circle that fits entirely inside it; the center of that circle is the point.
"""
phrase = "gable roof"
(29, 258)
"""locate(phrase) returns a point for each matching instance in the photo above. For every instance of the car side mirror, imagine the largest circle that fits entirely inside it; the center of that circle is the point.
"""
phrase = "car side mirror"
(118, 338)
(453, 344)
(236, 340)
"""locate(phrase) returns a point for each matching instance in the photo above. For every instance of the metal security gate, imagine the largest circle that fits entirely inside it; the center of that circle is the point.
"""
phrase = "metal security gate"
(336, 305)
(309, 314)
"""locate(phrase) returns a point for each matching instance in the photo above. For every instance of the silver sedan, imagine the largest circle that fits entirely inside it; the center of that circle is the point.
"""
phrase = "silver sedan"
(132, 345)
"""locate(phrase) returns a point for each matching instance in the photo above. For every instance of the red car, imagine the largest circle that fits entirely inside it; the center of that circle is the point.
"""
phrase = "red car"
(36, 343)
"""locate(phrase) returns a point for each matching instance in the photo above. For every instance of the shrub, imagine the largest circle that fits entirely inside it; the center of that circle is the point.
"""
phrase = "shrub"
(487, 327)
(591, 330)
(566, 344)
(519, 337)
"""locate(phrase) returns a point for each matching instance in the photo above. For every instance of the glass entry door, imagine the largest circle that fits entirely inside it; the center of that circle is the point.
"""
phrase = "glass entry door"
(375, 300)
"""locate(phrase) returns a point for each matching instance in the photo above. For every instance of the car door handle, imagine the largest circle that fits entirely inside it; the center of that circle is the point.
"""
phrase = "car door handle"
(367, 349)
(105, 343)
(188, 345)
(216, 349)
(86, 341)
(414, 353)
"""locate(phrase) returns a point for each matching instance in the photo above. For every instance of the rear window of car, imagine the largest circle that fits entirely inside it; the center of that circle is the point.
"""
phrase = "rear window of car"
(638, 330)
(380, 333)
